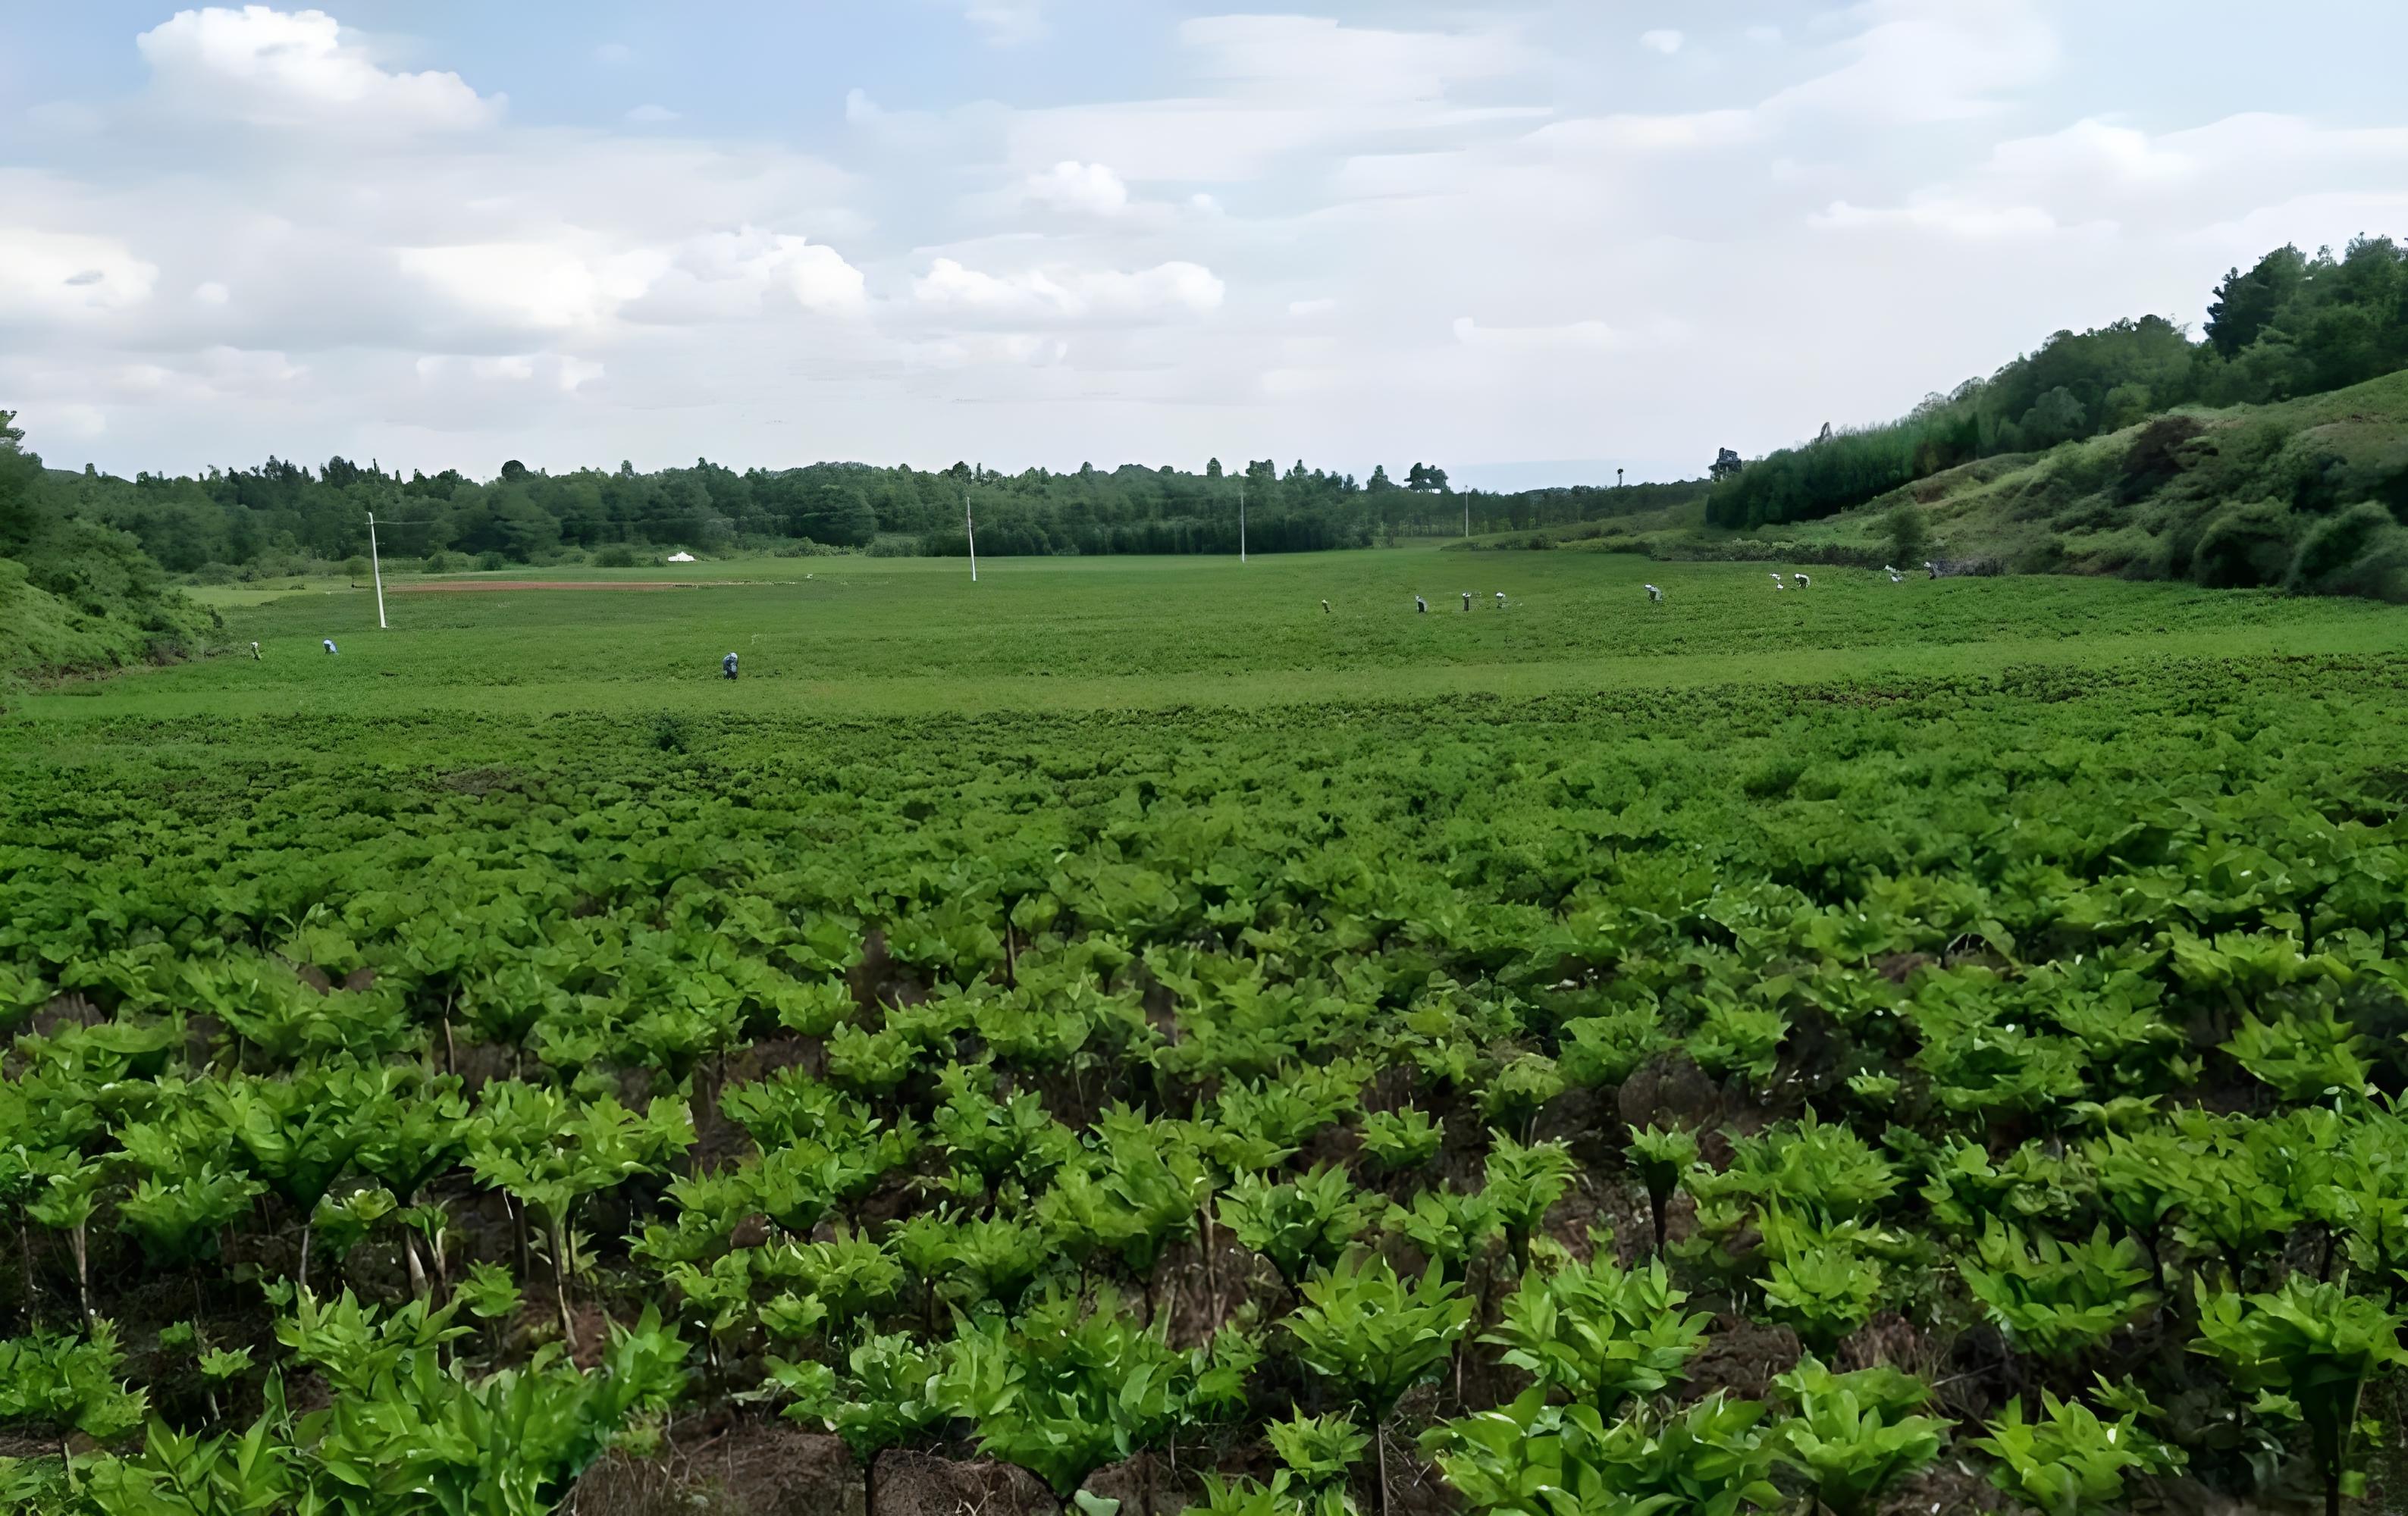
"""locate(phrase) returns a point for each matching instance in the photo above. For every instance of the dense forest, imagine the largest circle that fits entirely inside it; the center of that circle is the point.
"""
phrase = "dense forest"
(271, 517)
(2290, 326)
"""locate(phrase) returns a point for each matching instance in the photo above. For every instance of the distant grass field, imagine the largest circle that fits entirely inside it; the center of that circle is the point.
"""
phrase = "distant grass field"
(914, 635)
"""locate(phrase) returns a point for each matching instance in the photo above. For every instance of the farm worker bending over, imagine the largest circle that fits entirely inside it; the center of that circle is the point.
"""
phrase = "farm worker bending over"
(1466, 599)
(254, 652)
(330, 645)
(728, 663)
(1324, 608)
(1501, 600)
(1421, 606)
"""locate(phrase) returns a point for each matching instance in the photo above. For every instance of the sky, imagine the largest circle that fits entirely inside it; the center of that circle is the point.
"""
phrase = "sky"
(1532, 243)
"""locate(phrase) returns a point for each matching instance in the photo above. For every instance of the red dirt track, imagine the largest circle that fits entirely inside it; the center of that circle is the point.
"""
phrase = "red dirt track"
(473, 586)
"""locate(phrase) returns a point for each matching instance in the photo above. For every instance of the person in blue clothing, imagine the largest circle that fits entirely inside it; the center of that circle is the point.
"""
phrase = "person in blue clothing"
(728, 663)
(330, 644)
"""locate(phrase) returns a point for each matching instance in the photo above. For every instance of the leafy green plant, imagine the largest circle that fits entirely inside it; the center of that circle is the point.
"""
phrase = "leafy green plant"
(1067, 1390)
(2314, 1342)
(1318, 1451)
(1520, 1086)
(1534, 1459)
(550, 1153)
(1405, 1138)
(1661, 1156)
(1739, 1039)
(1448, 1227)
(68, 1385)
(1299, 1225)
(1825, 1289)
(1522, 1185)
(885, 1397)
(1374, 1336)
(1600, 1334)
(2056, 1299)
(2301, 1057)
(1852, 1435)
(2069, 1462)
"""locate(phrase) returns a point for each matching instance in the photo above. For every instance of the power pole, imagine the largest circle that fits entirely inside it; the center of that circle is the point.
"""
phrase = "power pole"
(971, 527)
(1241, 521)
(376, 566)
(1466, 515)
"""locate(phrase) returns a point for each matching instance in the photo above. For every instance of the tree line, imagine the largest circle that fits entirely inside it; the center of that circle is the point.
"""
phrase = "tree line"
(281, 511)
(2291, 326)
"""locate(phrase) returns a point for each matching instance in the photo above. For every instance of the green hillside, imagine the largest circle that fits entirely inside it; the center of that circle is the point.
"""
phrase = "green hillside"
(2308, 494)
(76, 595)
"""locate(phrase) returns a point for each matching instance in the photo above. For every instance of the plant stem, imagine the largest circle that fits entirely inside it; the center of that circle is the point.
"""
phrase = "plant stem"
(560, 1282)
(83, 1277)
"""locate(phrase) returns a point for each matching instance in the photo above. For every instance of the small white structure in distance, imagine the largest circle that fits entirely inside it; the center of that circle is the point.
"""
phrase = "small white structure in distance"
(681, 557)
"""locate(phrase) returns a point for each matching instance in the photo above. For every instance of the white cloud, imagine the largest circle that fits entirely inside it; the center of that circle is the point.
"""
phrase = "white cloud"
(1589, 335)
(1916, 60)
(571, 286)
(1040, 295)
(1008, 23)
(1283, 88)
(732, 275)
(423, 279)
(83, 422)
(253, 373)
(63, 275)
(562, 372)
(614, 54)
(649, 115)
(530, 286)
(1953, 218)
(1086, 188)
(295, 68)
(2097, 172)
(983, 350)
(1663, 39)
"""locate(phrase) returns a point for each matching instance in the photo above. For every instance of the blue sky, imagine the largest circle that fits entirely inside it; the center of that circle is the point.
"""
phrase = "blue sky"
(1529, 241)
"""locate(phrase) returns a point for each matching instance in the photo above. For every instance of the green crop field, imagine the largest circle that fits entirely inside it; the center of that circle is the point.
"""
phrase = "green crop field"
(1117, 1033)
(914, 635)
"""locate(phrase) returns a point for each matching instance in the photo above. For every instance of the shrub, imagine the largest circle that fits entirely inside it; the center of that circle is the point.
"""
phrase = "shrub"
(617, 555)
(488, 561)
(2362, 550)
(1909, 534)
(2244, 546)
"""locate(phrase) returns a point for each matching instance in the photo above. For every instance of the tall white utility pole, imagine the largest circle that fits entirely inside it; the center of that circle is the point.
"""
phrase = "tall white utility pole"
(376, 565)
(1466, 515)
(1241, 521)
(971, 527)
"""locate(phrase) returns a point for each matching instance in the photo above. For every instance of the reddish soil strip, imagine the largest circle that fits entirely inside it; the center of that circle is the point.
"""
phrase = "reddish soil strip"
(472, 586)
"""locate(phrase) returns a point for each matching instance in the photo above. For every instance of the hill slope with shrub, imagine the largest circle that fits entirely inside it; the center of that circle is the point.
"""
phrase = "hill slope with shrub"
(2309, 495)
(2291, 327)
(76, 595)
